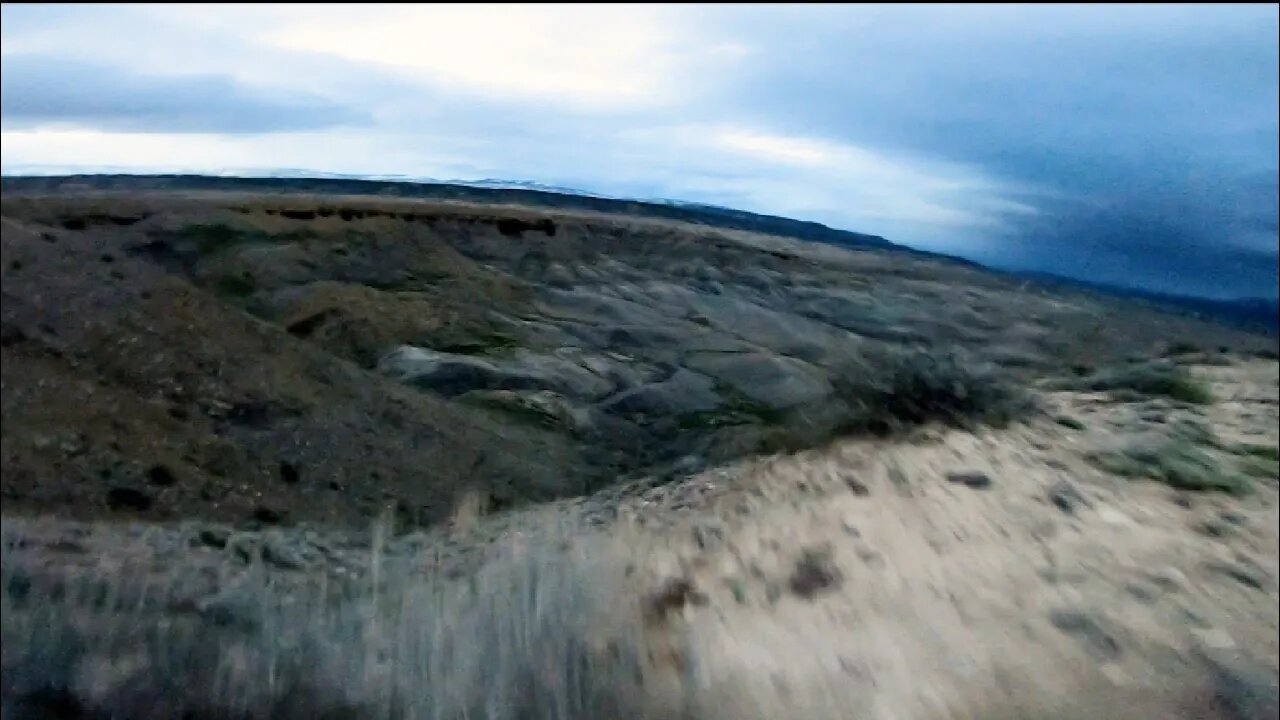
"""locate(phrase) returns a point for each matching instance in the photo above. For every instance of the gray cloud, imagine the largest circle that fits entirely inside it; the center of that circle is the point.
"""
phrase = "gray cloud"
(1143, 138)
(41, 89)
(1147, 139)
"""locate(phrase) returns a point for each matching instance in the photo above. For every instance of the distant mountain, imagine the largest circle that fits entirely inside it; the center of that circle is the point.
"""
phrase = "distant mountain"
(284, 180)
(293, 173)
(500, 184)
(1251, 313)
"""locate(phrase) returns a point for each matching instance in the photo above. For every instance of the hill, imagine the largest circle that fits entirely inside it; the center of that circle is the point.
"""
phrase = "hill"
(273, 452)
(702, 214)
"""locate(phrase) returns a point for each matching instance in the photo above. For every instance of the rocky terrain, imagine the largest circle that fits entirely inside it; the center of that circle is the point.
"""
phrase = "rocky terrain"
(301, 358)
(615, 466)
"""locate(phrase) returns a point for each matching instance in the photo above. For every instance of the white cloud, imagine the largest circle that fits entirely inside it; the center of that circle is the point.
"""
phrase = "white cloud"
(825, 177)
(587, 56)
(327, 151)
(799, 151)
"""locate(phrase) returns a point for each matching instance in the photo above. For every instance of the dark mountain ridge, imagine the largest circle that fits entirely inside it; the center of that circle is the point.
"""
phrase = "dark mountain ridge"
(1257, 314)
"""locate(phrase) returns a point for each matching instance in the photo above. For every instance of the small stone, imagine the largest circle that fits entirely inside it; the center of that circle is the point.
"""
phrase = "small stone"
(127, 498)
(1168, 578)
(73, 445)
(856, 486)
(214, 537)
(277, 552)
(160, 475)
(289, 473)
(264, 514)
(1111, 516)
(870, 557)
(1234, 518)
(707, 536)
(1140, 592)
(228, 612)
(772, 592)
(1191, 617)
(1066, 497)
(1214, 529)
(244, 547)
(1115, 674)
(1241, 575)
(1093, 635)
(1215, 638)
(975, 480)
(850, 526)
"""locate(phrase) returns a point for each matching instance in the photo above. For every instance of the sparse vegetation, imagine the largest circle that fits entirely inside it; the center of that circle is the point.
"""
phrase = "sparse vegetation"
(524, 636)
(1259, 467)
(815, 572)
(892, 390)
(1182, 460)
(1157, 378)
(1265, 452)
(1194, 432)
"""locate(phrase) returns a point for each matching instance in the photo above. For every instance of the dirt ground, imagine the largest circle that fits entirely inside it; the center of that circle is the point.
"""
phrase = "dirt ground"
(1056, 591)
(955, 574)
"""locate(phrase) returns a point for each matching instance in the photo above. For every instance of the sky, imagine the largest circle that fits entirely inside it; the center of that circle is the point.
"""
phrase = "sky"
(1127, 144)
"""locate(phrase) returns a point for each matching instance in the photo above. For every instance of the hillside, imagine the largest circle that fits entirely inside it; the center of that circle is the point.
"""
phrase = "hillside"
(282, 448)
(247, 333)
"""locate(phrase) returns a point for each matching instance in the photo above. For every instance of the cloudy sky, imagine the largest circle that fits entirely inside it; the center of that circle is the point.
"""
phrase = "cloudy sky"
(1129, 144)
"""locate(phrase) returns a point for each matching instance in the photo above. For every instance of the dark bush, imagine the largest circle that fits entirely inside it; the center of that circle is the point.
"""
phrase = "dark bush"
(1157, 378)
(892, 390)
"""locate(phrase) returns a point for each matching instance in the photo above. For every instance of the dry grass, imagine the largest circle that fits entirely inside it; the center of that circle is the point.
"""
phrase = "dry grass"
(538, 631)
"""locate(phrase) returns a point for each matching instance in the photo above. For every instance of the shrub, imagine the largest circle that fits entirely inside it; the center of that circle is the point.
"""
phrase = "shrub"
(1266, 452)
(534, 632)
(1175, 461)
(1146, 379)
(891, 390)
(1259, 467)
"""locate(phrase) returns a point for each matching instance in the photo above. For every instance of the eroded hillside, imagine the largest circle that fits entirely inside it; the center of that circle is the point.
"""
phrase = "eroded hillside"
(285, 357)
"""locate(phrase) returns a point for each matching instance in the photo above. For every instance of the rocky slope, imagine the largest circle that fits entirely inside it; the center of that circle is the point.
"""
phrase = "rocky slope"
(260, 358)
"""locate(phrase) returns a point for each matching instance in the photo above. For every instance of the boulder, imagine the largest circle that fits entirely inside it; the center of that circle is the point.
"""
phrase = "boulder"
(447, 373)
(453, 374)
